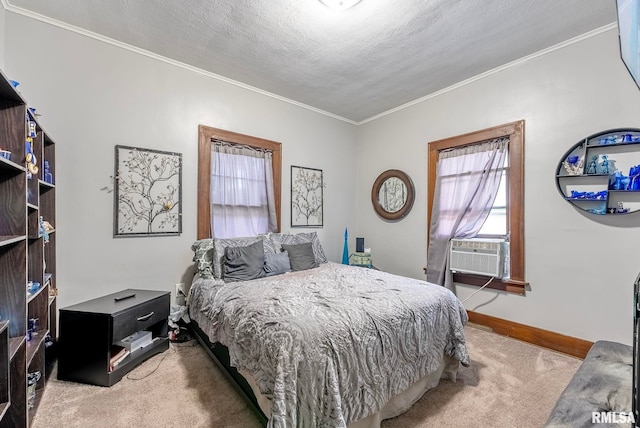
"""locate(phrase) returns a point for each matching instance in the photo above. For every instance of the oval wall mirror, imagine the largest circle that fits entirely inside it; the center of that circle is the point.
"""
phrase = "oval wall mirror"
(392, 195)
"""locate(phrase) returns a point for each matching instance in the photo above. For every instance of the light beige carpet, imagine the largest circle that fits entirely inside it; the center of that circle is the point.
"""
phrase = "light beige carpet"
(509, 384)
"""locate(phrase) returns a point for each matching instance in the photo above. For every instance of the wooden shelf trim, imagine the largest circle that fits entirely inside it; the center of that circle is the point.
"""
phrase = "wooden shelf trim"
(12, 239)
(6, 164)
(30, 297)
(33, 345)
(14, 345)
(3, 408)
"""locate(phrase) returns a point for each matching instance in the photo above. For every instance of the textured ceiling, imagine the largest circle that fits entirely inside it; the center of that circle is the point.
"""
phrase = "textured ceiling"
(354, 64)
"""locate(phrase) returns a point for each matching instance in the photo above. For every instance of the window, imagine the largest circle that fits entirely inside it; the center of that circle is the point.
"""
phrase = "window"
(496, 224)
(507, 214)
(242, 201)
(205, 199)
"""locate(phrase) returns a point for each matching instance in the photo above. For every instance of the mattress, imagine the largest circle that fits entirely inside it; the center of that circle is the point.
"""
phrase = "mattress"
(334, 345)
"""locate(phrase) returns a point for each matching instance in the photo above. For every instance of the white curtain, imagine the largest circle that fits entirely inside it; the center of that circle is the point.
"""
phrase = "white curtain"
(467, 181)
(242, 196)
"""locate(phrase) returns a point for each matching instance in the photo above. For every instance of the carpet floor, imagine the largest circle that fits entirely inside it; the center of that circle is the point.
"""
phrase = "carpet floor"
(508, 384)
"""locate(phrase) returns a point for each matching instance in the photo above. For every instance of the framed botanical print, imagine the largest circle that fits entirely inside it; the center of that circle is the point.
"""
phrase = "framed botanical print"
(306, 197)
(147, 192)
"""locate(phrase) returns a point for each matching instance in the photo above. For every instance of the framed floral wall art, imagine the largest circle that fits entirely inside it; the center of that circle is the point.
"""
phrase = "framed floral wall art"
(306, 197)
(147, 192)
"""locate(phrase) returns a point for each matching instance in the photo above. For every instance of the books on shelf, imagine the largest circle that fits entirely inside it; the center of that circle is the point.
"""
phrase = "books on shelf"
(136, 341)
(127, 346)
(118, 353)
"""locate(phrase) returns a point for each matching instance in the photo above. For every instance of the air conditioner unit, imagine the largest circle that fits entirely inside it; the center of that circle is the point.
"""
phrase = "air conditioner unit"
(478, 256)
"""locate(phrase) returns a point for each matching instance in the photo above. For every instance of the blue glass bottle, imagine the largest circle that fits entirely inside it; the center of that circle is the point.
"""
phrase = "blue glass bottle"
(48, 177)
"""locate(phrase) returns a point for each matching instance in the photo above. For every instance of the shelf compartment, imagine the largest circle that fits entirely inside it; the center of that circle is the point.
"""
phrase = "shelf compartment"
(594, 140)
(630, 199)
(8, 92)
(159, 344)
(15, 415)
(30, 297)
(33, 193)
(13, 290)
(14, 211)
(44, 184)
(593, 184)
(36, 404)
(12, 128)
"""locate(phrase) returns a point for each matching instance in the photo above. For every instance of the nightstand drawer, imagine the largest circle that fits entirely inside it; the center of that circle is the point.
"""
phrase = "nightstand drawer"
(140, 317)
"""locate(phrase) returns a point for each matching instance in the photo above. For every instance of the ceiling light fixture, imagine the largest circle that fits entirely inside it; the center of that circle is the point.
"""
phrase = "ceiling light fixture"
(339, 4)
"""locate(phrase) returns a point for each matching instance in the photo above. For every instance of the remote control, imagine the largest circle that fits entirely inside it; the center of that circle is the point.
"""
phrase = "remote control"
(117, 299)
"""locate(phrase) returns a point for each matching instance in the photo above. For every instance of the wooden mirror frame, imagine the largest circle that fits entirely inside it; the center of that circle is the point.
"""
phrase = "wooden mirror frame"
(408, 204)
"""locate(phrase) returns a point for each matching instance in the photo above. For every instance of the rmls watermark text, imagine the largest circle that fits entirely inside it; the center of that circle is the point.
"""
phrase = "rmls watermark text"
(613, 418)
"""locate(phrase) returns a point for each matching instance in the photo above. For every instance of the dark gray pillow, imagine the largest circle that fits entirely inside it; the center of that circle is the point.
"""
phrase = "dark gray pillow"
(275, 264)
(243, 263)
(301, 256)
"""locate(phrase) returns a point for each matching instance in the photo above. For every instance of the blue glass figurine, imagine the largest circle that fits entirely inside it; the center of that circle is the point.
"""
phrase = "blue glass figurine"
(593, 165)
(634, 183)
(605, 164)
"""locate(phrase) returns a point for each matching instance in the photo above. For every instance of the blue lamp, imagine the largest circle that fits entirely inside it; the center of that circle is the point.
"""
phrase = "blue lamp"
(345, 251)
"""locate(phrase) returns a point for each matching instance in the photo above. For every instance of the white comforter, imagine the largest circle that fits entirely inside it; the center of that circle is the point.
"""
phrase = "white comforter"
(331, 345)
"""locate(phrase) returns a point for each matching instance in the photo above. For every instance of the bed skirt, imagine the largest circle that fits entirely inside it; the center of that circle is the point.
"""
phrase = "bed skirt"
(394, 407)
(261, 405)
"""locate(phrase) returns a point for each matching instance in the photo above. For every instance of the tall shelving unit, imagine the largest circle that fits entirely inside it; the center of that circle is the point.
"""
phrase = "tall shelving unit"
(25, 256)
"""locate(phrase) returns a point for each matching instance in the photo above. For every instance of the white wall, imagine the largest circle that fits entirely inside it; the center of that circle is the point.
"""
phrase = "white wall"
(2, 36)
(93, 95)
(581, 268)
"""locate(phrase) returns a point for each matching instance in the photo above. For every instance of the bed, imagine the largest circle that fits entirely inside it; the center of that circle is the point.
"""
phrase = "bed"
(321, 343)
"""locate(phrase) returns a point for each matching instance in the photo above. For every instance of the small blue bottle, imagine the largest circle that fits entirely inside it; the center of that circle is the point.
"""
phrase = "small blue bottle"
(48, 177)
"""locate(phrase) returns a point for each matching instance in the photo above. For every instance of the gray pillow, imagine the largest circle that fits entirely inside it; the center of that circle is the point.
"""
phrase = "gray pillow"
(203, 256)
(275, 264)
(243, 263)
(277, 239)
(301, 256)
(219, 246)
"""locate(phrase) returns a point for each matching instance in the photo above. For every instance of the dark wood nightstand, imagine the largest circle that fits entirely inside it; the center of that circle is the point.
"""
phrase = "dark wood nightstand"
(89, 333)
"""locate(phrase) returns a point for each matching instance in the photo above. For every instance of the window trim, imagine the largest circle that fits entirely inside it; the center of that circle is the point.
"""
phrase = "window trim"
(515, 198)
(205, 135)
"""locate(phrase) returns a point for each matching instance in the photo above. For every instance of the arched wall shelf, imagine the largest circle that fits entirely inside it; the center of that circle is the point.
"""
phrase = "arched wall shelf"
(601, 173)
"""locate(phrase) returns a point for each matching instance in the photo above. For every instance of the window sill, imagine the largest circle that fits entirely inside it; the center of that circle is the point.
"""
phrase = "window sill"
(508, 285)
